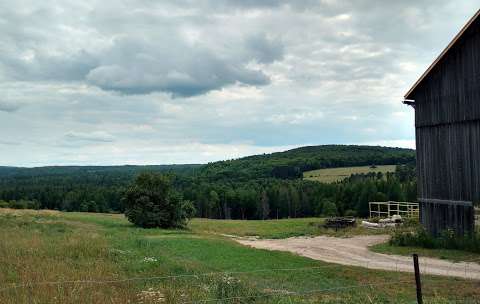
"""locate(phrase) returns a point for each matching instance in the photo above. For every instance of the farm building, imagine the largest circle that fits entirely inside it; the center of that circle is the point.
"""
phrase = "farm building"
(447, 123)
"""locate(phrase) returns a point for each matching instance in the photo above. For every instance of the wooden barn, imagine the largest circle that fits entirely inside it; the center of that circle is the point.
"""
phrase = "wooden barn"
(447, 122)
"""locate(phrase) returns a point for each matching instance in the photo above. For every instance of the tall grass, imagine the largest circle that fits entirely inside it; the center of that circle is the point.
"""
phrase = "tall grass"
(47, 249)
(41, 247)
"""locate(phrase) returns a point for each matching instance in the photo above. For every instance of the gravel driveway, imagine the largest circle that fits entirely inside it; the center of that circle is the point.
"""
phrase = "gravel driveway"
(354, 251)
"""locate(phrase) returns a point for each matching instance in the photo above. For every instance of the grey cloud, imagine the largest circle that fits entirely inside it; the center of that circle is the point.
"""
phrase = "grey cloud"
(41, 66)
(251, 3)
(9, 143)
(8, 106)
(133, 64)
(137, 66)
(95, 136)
(263, 4)
(265, 49)
(277, 73)
(40, 43)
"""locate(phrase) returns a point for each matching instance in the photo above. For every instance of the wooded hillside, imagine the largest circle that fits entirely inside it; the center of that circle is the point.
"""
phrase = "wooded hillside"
(261, 186)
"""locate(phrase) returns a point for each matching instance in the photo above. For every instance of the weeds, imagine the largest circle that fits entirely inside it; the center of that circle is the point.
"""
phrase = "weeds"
(419, 237)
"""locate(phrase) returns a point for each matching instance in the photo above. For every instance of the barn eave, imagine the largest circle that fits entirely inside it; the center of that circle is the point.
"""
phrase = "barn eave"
(410, 92)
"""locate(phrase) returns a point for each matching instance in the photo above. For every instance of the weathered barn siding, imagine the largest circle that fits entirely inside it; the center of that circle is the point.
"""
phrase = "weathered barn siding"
(447, 121)
(437, 216)
(448, 158)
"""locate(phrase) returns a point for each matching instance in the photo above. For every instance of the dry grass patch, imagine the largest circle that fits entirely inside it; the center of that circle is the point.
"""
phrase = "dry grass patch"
(36, 248)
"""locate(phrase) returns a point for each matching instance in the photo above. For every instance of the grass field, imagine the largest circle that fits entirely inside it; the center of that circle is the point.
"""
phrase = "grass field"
(447, 254)
(332, 175)
(275, 229)
(118, 263)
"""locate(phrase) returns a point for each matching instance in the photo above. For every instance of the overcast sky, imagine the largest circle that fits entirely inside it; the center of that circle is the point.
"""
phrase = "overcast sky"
(192, 81)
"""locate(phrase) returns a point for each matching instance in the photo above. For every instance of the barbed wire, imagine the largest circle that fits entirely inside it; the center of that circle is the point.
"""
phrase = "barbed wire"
(165, 277)
(198, 275)
(297, 293)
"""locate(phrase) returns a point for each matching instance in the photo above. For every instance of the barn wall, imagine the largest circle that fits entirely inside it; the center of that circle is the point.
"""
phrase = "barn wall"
(436, 217)
(447, 120)
(448, 159)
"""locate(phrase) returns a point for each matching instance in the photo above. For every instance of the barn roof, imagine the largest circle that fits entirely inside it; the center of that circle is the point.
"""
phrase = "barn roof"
(442, 54)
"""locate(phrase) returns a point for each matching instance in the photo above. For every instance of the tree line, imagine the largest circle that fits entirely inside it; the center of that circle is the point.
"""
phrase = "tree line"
(257, 187)
(276, 198)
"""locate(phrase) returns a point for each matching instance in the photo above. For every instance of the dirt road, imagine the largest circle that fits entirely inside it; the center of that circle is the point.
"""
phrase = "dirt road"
(354, 251)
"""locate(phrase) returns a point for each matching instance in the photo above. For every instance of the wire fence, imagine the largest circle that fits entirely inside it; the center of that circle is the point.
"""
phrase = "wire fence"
(332, 289)
(164, 277)
(369, 265)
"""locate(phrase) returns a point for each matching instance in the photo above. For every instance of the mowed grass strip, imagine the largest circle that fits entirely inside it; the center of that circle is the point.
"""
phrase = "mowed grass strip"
(332, 175)
(272, 229)
(275, 229)
(447, 254)
(78, 246)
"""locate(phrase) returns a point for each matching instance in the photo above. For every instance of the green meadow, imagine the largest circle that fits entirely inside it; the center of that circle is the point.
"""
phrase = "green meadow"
(54, 257)
(332, 175)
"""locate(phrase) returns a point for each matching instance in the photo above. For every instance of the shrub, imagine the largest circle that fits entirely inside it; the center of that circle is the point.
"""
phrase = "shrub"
(33, 205)
(326, 208)
(20, 204)
(4, 204)
(350, 212)
(411, 222)
(149, 202)
(419, 237)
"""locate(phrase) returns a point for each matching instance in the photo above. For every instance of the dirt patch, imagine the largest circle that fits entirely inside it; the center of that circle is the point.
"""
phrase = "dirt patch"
(354, 252)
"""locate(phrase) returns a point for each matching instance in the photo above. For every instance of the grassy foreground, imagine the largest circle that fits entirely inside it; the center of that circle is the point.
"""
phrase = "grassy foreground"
(332, 175)
(45, 254)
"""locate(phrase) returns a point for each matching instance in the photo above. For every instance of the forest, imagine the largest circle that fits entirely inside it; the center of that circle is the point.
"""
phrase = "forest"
(255, 187)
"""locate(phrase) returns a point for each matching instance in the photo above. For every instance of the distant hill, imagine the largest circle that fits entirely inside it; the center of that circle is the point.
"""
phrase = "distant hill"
(284, 165)
(292, 163)
(260, 186)
(127, 170)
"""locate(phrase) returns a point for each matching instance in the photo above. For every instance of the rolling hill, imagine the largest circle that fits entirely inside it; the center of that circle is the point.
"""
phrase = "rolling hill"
(292, 163)
(236, 185)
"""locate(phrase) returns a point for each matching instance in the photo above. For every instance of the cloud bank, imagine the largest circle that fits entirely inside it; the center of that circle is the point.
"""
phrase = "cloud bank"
(196, 81)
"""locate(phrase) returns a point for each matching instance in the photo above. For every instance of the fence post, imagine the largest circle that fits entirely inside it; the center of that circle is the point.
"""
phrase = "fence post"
(418, 283)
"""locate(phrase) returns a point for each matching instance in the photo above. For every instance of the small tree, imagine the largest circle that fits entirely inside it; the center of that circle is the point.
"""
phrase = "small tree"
(149, 202)
(329, 208)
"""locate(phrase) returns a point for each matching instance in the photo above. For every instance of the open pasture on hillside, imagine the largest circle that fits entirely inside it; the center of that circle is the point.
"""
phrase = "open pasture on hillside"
(54, 257)
(332, 175)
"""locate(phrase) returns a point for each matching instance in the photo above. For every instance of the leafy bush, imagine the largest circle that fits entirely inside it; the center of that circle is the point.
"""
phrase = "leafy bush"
(4, 204)
(149, 202)
(419, 237)
(350, 212)
(413, 222)
(326, 208)
(20, 204)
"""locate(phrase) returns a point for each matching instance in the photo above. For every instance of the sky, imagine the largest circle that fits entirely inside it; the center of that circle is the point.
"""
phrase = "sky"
(193, 81)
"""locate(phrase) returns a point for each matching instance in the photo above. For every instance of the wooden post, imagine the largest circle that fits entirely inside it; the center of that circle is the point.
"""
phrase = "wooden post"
(418, 283)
